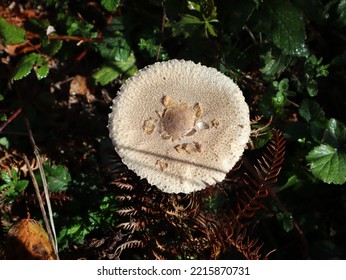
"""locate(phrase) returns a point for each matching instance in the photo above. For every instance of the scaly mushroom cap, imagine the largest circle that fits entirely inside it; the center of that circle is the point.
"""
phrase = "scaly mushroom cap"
(180, 125)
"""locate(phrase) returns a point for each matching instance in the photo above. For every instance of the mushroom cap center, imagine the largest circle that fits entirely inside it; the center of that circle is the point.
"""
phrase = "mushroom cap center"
(178, 121)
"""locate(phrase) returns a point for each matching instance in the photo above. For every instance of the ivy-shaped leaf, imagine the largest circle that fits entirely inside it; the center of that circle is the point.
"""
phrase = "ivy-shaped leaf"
(335, 134)
(110, 5)
(288, 32)
(328, 164)
(11, 34)
(328, 160)
(310, 110)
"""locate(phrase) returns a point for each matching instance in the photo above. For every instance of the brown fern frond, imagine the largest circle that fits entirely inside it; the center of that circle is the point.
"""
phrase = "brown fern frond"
(257, 178)
(14, 159)
(131, 226)
(122, 185)
(128, 245)
(157, 256)
(57, 198)
(249, 248)
(129, 211)
(269, 165)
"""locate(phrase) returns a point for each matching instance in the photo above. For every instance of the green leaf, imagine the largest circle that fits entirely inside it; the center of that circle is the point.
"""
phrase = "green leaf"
(11, 34)
(328, 164)
(335, 134)
(288, 32)
(286, 219)
(310, 110)
(106, 74)
(6, 177)
(312, 88)
(114, 49)
(24, 66)
(53, 47)
(342, 12)
(58, 177)
(113, 70)
(275, 64)
(21, 186)
(41, 68)
(110, 5)
(4, 142)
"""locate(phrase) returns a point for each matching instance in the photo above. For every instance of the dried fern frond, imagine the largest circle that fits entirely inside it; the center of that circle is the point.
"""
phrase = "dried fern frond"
(171, 226)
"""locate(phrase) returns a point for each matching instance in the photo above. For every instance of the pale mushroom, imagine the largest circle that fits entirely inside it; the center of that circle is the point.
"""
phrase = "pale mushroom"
(180, 125)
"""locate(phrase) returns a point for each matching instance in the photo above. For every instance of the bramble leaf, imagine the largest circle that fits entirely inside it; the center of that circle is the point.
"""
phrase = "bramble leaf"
(24, 66)
(41, 68)
(328, 164)
(335, 134)
(110, 5)
(275, 64)
(11, 34)
(58, 177)
(310, 110)
(288, 31)
(113, 70)
(106, 74)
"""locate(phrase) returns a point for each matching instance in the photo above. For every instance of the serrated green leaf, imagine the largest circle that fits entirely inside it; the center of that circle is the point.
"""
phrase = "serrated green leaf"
(114, 49)
(24, 66)
(335, 134)
(275, 64)
(310, 110)
(11, 34)
(106, 74)
(288, 32)
(113, 70)
(110, 5)
(42, 71)
(53, 47)
(41, 68)
(58, 177)
(328, 164)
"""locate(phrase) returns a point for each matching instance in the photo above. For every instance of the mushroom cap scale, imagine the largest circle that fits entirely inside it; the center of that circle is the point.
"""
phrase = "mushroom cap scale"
(210, 125)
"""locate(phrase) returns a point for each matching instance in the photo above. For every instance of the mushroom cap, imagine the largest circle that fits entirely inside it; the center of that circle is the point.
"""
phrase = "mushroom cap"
(181, 125)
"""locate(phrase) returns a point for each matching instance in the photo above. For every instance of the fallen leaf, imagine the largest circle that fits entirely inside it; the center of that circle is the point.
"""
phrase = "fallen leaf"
(27, 240)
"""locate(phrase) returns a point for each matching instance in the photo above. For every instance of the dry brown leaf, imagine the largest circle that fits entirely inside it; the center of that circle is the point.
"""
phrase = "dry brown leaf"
(80, 86)
(27, 240)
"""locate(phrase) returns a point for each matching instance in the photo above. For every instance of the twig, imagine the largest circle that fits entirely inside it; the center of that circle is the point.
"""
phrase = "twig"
(40, 202)
(162, 29)
(44, 183)
(10, 119)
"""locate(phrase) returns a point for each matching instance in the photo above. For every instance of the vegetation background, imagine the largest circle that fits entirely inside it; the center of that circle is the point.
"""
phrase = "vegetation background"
(62, 63)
